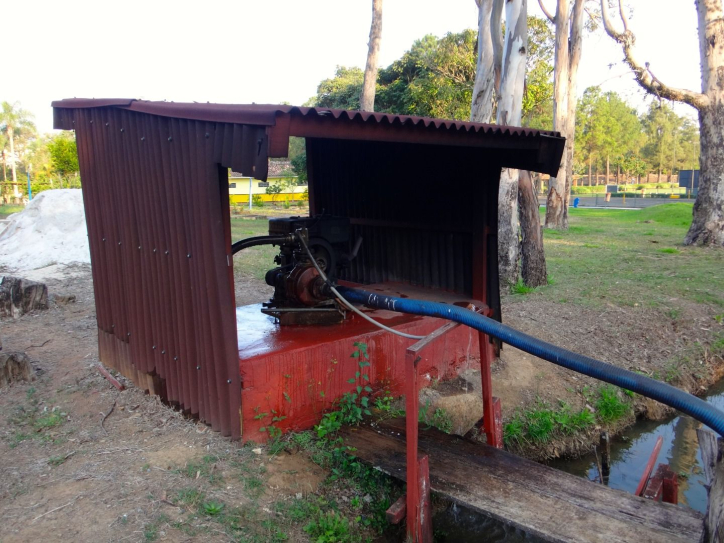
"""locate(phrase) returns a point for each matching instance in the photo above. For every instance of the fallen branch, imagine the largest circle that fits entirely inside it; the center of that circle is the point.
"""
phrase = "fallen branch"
(57, 508)
(107, 415)
(38, 346)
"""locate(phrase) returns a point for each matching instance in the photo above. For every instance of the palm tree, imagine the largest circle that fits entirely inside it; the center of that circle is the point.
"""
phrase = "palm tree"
(14, 121)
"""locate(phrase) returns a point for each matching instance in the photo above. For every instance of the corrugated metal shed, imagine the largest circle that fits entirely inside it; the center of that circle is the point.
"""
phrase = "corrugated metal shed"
(155, 183)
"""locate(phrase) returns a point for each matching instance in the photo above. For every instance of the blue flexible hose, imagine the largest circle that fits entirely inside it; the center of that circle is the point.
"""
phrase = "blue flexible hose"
(666, 394)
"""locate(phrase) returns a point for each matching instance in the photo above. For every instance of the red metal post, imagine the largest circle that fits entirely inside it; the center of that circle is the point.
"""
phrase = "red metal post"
(419, 511)
(411, 420)
(424, 508)
(492, 425)
(649, 467)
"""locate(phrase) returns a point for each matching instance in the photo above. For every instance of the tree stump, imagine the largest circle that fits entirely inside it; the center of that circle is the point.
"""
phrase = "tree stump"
(15, 366)
(19, 296)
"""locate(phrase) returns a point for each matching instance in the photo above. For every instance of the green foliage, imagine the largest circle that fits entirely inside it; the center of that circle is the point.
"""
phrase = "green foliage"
(521, 288)
(609, 129)
(669, 250)
(439, 418)
(542, 422)
(213, 508)
(340, 92)
(435, 78)
(354, 405)
(299, 166)
(329, 527)
(63, 155)
(257, 200)
(610, 407)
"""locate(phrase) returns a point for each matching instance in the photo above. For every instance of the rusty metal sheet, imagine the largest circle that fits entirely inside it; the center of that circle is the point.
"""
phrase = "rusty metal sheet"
(524, 148)
(154, 203)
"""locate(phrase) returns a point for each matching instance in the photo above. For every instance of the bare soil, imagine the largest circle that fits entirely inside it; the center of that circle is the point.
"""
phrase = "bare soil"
(82, 461)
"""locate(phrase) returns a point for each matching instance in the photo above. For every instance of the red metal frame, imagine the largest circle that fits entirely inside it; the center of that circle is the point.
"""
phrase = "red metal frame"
(417, 501)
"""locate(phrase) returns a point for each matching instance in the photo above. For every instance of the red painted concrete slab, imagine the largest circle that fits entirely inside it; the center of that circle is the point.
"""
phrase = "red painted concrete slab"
(297, 372)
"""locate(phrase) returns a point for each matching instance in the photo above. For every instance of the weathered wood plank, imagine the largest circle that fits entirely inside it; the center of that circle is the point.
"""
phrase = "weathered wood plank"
(540, 500)
(712, 451)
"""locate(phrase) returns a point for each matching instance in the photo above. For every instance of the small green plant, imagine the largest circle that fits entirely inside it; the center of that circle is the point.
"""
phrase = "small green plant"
(57, 460)
(521, 288)
(190, 497)
(540, 425)
(329, 527)
(150, 530)
(609, 406)
(257, 200)
(513, 430)
(669, 250)
(719, 318)
(439, 418)
(213, 508)
(286, 204)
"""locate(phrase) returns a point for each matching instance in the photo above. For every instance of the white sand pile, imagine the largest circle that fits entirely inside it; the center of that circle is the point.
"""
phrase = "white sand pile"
(50, 230)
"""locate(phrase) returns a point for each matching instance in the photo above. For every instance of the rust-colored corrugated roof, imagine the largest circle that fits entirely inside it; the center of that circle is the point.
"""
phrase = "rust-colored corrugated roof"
(544, 148)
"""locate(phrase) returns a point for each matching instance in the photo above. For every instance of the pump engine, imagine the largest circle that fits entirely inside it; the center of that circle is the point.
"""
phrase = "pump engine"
(300, 293)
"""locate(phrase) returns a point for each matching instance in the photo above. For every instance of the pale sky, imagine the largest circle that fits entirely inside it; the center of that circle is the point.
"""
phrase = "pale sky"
(270, 51)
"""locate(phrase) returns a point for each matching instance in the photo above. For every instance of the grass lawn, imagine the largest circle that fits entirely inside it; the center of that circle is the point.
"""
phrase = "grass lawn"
(629, 258)
(254, 261)
(6, 210)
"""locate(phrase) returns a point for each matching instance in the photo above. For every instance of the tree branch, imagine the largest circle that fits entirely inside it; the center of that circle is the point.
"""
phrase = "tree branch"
(547, 13)
(643, 75)
(622, 13)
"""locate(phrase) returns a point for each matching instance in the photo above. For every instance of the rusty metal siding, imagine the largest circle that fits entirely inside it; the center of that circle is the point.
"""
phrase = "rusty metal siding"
(535, 150)
(416, 228)
(155, 215)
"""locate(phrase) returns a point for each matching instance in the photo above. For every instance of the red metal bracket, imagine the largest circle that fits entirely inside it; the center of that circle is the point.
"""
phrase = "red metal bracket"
(664, 486)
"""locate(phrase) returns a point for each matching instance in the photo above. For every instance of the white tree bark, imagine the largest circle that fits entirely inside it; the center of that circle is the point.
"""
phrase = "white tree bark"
(11, 137)
(510, 106)
(556, 201)
(367, 97)
(482, 104)
(490, 48)
(707, 227)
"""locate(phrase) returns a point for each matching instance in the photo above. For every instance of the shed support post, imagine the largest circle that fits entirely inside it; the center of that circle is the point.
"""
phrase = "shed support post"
(492, 418)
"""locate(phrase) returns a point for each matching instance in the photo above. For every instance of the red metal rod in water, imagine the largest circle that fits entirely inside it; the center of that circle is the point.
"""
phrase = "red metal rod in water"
(649, 467)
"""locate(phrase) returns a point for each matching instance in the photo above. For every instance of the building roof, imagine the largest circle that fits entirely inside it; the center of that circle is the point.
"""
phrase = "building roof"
(534, 150)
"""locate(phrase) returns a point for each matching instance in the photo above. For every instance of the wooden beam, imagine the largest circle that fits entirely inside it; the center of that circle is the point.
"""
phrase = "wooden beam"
(712, 449)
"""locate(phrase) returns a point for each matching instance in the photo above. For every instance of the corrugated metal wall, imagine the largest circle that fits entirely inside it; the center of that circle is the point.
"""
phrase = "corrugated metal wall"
(426, 229)
(157, 214)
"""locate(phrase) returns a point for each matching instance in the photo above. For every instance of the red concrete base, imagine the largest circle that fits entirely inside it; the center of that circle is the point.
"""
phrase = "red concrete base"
(294, 373)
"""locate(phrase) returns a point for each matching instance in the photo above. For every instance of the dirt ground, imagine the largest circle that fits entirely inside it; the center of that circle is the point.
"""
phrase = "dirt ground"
(81, 461)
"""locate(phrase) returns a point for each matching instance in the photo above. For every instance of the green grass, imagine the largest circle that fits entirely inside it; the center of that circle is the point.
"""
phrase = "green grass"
(521, 288)
(254, 261)
(638, 259)
(543, 422)
(6, 210)
(610, 407)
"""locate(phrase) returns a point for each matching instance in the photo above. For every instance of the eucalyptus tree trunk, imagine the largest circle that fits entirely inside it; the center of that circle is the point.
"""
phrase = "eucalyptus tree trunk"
(707, 227)
(568, 44)
(11, 137)
(367, 97)
(532, 256)
(487, 71)
(510, 105)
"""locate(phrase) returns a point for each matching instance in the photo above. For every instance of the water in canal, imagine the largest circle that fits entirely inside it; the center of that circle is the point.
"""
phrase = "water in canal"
(631, 450)
(629, 454)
